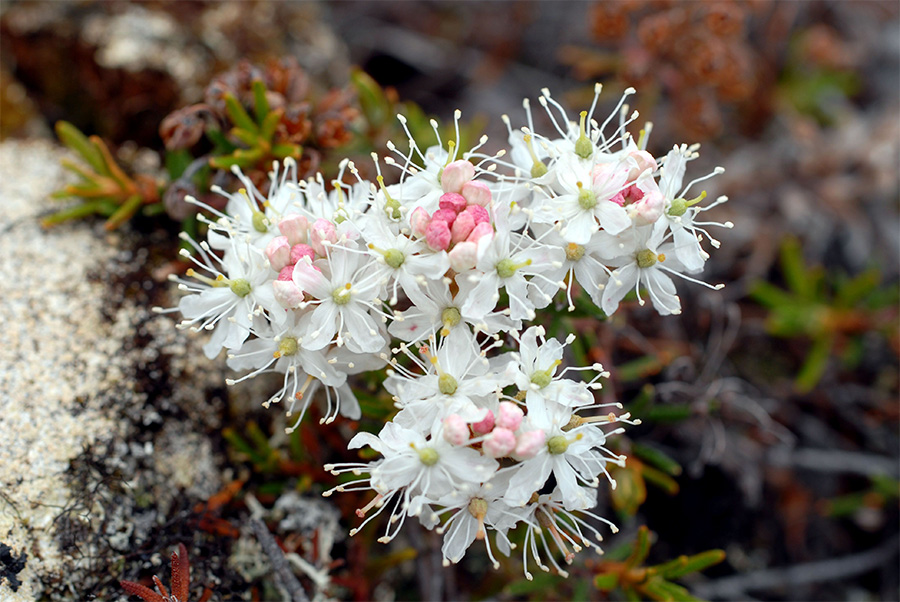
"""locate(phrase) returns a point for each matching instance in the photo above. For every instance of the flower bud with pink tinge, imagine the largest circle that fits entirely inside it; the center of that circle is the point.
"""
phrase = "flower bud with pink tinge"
(476, 193)
(456, 431)
(279, 252)
(530, 443)
(437, 235)
(510, 415)
(463, 256)
(482, 229)
(418, 221)
(294, 227)
(322, 231)
(501, 442)
(462, 227)
(456, 174)
(444, 215)
(485, 425)
(300, 251)
(286, 292)
(452, 201)
(479, 213)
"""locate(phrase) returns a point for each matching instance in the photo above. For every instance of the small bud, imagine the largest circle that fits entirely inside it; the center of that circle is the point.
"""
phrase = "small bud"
(456, 431)
(279, 252)
(437, 235)
(479, 213)
(462, 227)
(510, 416)
(286, 292)
(294, 227)
(477, 193)
(419, 220)
(486, 425)
(463, 256)
(480, 230)
(322, 231)
(452, 201)
(300, 251)
(530, 443)
(644, 161)
(501, 442)
(456, 174)
(444, 215)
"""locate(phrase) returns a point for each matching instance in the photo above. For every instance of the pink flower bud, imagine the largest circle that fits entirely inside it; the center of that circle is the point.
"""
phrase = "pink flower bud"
(452, 201)
(644, 162)
(286, 292)
(477, 193)
(286, 274)
(530, 443)
(462, 227)
(456, 431)
(463, 256)
(456, 174)
(510, 415)
(322, 231)
(479, 231)
(437, 235)
(633, 194)
(300, 251)
(419, 221)
(486, 425)
(295, 228)
(478, 212)
(279, 252)
(444, 215)
(499, 443)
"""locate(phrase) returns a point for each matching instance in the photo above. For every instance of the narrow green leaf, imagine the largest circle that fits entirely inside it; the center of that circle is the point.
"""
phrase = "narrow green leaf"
(657, 458)
(660, 479)
(269, 124)
(631, 594)
(287, 150)
(176, 162)
(673, 591)
(260, 102)
(238, 115)
(639, 368)
(814, 366)
(125, 212)
(606, 582)
(70, 136)
(641, 548)
(857, 289)
(685, 565)
(75, 212)
(542, 582)
(245, 137)
(769, 295)
(669, 412)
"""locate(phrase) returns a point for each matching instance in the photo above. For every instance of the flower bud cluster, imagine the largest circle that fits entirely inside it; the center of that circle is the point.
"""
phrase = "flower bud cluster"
(316, 282)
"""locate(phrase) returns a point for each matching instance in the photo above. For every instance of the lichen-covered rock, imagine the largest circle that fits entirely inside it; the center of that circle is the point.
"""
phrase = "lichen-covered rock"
(91, 461)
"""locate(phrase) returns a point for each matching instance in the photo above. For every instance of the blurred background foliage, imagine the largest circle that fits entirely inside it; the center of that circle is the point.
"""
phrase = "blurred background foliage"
(770, 409)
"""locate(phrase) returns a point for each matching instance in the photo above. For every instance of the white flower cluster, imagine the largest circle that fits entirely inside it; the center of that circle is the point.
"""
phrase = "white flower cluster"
(451, 261)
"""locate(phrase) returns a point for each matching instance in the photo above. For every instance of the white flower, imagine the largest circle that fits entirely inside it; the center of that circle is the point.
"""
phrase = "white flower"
(343, 291)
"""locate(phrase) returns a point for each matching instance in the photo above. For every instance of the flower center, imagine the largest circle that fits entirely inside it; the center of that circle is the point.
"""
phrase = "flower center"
(394, 258)
(557, 445)
(341, 296)
(507, 267)
(538, 168)
(586, 199)
(680, 206)
(240, 287)
(447, 384)
(646, 258)
(288, 346)
(574, 252)
(450, 317)
(428, 456)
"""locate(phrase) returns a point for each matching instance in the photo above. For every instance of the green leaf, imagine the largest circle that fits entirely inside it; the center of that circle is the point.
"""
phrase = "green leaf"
(125, 212)
(287, 150)
(769, 295)
(657, 458)
(684, 565)
(857, 289)
(374, 104)
(260, 102)
(542, 582)
(245, 137)
(660, 479)
(238, 115)
(639, 368)
(798, 277)
(814, 366)
(70, 136)
(76, 212)
(606, 582)
(641, 548)
(669, 412)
